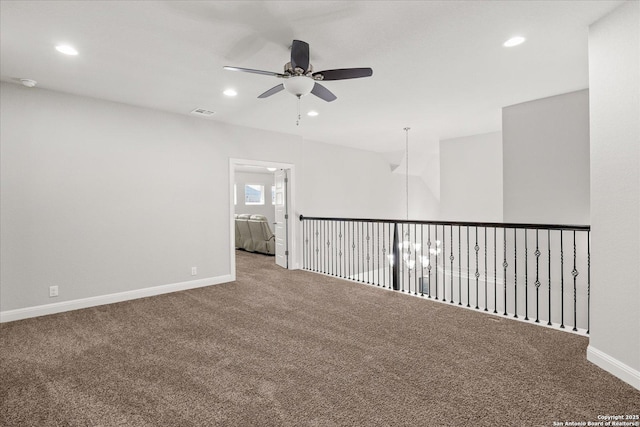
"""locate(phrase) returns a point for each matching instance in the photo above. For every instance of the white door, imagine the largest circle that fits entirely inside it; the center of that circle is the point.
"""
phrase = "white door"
(282, 219)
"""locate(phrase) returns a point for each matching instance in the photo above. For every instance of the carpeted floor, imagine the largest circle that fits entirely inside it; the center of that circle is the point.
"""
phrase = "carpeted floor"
(292, 348)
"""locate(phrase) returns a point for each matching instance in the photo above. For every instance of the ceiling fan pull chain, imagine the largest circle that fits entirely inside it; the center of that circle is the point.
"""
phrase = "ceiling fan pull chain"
(298, 121)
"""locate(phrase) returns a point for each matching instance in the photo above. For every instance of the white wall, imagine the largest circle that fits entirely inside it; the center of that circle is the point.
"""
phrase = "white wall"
(360, 184)
(471, 178)
(104, 198)
(546, 160)
(264, 179)
(614, 81)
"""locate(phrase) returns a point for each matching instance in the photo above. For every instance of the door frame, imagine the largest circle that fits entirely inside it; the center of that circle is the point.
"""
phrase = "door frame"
(291, 209)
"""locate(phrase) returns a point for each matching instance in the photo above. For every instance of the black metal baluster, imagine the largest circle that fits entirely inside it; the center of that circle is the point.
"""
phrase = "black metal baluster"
(309, 244)
(341, 253)
(328, 246)
(310, 250)
(402, 263)
(356, 252)
(505, 265)
(310, 228)
(561, 282)
(451, 258)
(429, 264)
(415, 258)
(515, 272)
(436, 230)
(320, 246)
(537, 283)
(336, 247)
(361, 249)
(459, 265)
(444, 264)
(574, 272)
(378, 252)
(468, 272)
(316, 245)
(328, 256)
(368, 255)
(422, 260)
(392, 228)
(400, 258)
(333, 247)
(348, 255)
(323, 232)
(304, 247)
(477, 248)
(485, 269)
(410, 251)
(495, 270)
(354, 229)
(346, 249)
(391, 253)
(549, 251)
(396, 259)
(384, 258)
(526, 278)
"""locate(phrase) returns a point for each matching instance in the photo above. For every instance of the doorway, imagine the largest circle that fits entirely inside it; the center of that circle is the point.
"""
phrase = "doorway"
(272, 189)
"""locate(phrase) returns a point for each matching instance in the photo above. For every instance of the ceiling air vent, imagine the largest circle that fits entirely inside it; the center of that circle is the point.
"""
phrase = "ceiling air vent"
(201, 112)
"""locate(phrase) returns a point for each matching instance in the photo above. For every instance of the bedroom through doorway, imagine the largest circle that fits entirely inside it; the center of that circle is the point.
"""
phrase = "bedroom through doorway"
(261, 210)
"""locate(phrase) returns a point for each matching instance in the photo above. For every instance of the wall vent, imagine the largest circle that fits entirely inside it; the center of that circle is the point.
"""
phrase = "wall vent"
(201, 112)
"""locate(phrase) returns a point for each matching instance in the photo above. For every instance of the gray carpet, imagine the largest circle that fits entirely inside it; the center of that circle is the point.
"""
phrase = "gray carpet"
(280, 348)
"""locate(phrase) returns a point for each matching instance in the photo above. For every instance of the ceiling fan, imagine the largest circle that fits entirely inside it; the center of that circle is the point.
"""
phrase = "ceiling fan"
(299, 77)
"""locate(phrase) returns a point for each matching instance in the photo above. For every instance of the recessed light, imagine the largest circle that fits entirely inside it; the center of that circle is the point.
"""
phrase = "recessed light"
(514, 41)
(28, 82)
(66, 49)
(272, 169)
(312, 113)
(230, 92)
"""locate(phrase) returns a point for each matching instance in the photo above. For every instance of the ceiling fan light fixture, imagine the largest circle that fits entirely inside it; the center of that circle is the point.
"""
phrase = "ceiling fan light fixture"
(299, 85)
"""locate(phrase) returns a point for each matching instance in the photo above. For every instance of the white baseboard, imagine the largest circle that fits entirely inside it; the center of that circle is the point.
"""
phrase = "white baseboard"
(615, 367)
(59, 307)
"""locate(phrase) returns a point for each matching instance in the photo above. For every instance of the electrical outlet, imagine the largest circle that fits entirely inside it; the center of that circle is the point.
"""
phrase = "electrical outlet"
(194, 271)
(53, 291)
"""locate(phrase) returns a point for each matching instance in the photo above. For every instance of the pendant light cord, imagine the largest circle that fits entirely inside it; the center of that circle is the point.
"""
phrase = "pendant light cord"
(407, 168)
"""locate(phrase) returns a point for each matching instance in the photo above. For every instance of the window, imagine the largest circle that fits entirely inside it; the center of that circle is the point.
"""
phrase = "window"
(254, 194)
(273, 194)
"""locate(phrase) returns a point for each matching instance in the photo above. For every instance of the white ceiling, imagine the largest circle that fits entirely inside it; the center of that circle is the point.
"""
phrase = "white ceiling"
(439, 66)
